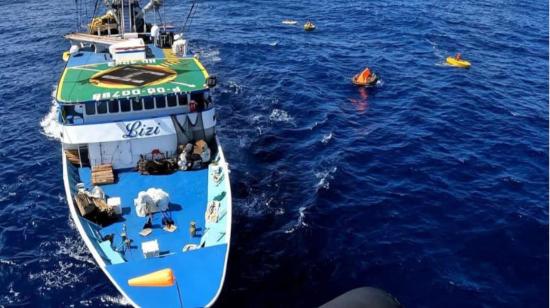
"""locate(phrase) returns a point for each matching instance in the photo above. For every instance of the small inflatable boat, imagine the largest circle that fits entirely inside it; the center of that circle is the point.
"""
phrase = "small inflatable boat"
(452, 61)
(370, 81)
(309, 26)
(289, 22)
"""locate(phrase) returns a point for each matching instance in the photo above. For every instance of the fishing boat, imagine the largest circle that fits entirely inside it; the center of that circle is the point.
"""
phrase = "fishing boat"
(145, 176)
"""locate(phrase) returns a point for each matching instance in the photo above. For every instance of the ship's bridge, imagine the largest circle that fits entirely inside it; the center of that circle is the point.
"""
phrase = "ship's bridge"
(131, 108)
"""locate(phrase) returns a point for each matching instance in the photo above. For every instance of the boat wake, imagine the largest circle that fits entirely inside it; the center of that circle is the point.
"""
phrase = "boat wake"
(436, 51)
(209, 55)
(233, 88)
(50, 127)
(73, 264)
(105, 300)
(75, 249)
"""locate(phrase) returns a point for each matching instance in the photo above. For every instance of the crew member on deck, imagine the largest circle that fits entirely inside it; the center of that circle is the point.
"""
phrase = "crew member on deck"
(185, 161)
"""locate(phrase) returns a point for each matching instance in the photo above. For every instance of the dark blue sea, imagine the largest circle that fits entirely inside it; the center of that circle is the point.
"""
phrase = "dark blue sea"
(432, 185)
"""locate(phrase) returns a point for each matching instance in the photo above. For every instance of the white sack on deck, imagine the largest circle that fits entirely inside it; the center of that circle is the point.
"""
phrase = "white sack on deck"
(143, 204)
(151, 201)
(160, 198)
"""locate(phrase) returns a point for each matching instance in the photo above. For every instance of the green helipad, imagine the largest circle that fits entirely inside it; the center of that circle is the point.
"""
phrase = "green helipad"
(149, 77)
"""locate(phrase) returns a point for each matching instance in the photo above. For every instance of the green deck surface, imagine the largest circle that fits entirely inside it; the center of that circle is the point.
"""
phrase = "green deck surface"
(134, 80)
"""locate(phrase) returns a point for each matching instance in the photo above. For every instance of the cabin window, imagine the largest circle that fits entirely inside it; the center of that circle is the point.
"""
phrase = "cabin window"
(160, 101)
(90, 109)
(125, 105)
(198, 97)
(113, 106)
(172, 100)
(102, 107)
(149, 103)
(136, 104)
(68, 114)
(182, 98)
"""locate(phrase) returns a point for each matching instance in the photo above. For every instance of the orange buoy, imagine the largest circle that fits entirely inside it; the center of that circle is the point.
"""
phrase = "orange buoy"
(162, 278)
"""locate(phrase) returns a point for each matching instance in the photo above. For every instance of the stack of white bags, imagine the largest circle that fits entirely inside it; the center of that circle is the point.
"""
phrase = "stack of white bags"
(151, 201)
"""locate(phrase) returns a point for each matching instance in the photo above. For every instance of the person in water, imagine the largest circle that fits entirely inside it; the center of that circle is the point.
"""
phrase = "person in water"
(458, 56)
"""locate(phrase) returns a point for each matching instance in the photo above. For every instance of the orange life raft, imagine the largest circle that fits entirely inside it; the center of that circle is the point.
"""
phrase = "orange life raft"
(365, 78)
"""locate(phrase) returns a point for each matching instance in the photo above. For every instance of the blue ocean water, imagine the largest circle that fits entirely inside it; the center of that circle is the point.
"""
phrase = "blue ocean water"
(432, 186)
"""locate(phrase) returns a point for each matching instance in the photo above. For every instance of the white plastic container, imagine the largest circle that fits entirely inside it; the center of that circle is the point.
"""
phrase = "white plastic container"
(150, 249)
(115, 204)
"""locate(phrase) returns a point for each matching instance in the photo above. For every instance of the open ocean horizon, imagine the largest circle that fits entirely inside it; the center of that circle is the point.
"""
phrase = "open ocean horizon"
(432, 185)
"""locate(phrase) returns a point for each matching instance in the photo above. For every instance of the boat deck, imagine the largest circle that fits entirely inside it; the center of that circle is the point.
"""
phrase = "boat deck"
(188, 198)
(199, 273)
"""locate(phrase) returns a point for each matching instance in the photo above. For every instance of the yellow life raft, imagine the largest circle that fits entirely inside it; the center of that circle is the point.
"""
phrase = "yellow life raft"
(66, 56)
(452, 61)
(309, 26)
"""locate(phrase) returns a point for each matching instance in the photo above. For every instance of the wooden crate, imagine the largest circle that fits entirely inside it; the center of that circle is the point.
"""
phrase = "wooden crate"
(72, 156)
(103, 174)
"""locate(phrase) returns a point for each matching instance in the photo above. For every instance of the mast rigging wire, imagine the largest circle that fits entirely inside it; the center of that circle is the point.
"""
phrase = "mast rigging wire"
(190, 16)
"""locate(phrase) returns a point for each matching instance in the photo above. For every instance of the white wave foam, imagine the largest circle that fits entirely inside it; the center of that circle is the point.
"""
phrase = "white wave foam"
(7, 262)
(59, 276)
(301, 221)
(49, 124)
(105, 300)
(279, 115)
(327, 138)
(437, 52)
(118, 300)
(12, 297)
(212, 55)
(276, 210)
(75, 249)
(259, 205)
(324, 178)
(68, 263)
(234, 87)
